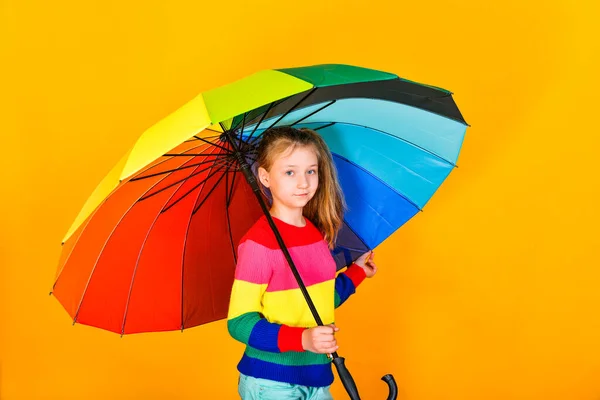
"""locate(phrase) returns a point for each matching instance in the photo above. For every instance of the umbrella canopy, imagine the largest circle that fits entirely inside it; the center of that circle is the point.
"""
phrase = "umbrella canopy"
(154, 247)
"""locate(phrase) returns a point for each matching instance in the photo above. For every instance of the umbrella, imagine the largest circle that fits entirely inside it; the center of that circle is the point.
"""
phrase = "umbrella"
(154, 247)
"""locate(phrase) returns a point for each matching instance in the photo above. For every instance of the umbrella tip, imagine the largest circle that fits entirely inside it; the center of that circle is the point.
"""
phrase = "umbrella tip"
(50, 294)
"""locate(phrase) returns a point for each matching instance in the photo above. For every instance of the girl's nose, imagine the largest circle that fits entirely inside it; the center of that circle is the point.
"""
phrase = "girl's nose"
(302, 182)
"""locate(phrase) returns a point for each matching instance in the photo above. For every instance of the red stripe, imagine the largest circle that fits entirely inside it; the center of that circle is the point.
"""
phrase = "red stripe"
(262, 233)
(356, 274)
(290, 338)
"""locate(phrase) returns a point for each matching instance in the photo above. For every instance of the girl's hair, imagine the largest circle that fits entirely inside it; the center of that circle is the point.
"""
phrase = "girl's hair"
(326, 209)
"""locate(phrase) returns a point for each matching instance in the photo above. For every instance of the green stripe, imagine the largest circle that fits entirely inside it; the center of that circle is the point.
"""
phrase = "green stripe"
(249, 93)
(241, 327)
(293, 358)
(337, 74)
(337, 300)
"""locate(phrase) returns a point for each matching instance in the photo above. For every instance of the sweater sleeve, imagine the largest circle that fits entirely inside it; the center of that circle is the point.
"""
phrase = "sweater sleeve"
(347, 282)
(245, 321)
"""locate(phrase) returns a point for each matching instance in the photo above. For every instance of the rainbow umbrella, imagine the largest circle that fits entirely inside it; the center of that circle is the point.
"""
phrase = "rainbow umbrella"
(154, 247)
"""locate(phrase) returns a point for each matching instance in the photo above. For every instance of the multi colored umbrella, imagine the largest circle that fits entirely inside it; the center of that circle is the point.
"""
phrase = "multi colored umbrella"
(154, 247)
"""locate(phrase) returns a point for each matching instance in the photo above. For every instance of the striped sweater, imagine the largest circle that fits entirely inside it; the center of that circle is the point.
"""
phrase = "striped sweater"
(267, 311)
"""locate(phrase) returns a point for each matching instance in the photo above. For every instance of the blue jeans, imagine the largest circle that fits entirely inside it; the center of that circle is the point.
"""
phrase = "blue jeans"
(251, 388)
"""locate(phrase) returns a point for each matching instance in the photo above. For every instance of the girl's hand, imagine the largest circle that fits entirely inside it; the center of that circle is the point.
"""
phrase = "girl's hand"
(320, 339)
(367, 264)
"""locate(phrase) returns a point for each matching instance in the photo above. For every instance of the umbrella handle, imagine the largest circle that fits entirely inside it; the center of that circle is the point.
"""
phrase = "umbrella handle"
(393, 388)
(350, 386)
(346, 378)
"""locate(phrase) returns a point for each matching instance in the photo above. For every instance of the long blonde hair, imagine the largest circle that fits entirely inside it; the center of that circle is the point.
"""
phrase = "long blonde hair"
(326, 209)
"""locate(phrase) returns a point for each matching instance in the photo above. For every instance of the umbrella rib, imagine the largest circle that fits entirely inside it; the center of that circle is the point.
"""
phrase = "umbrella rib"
(214, 144)
(171, 156)
(210, 175)
(206, 137)
(356, 234)
(208, 195)
(102, 249)
(194, 155)
(242, 131)
(314, 112)
(324, 126)
(228, 198)
(87, 222)
(174, 155)
(293, 108)
(221, 163)
(283, 115)
(352, 248)
(227, 201)
(187, 230)
(314, 129)
(264, 113)
(138, 262)
(249, 140)
(172, 170)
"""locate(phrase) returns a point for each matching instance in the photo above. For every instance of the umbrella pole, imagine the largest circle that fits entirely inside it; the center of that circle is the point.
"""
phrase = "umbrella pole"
(338, 361)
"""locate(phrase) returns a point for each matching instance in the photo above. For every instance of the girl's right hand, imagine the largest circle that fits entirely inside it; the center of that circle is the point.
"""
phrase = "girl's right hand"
(320, 339)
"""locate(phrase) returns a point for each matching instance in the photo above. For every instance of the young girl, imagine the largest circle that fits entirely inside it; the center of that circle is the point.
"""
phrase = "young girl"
(286, 352)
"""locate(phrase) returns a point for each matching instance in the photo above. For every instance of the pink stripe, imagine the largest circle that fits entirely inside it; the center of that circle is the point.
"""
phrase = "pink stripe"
(259, 264)
(314, 263)
(253, 264)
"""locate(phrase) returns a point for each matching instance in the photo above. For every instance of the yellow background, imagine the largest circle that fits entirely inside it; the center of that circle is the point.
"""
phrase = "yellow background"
(493, 292)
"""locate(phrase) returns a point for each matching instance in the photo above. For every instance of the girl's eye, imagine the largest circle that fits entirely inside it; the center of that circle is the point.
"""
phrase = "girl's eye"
(312, 171)
(289, 173)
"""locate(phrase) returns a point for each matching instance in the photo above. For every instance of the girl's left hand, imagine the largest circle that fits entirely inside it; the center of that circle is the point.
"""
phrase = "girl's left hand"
(366, 262)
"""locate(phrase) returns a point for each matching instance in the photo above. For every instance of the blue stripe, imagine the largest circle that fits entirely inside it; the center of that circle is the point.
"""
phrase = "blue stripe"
(308, 375)
(264, 336)
(375, 211)
(344, 287)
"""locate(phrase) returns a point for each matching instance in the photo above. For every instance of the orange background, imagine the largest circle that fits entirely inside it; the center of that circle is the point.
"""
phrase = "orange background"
(493, 292)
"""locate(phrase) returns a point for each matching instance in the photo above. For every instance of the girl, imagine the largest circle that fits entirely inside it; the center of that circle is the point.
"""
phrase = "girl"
(286, 353)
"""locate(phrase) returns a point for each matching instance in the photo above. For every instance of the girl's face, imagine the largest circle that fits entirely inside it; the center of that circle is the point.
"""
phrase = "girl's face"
(293, 178)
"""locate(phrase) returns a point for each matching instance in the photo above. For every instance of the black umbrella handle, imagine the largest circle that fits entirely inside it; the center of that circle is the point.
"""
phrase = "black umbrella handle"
(346, 378)
(350, 386)
(392, 387)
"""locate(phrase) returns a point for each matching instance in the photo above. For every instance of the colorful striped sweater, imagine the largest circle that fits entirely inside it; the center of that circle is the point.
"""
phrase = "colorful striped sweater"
(267, 310)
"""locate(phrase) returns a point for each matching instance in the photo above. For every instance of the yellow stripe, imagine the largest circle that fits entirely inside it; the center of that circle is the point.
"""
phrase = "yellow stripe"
(245, 297)
(167, 134)
(289, 306)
